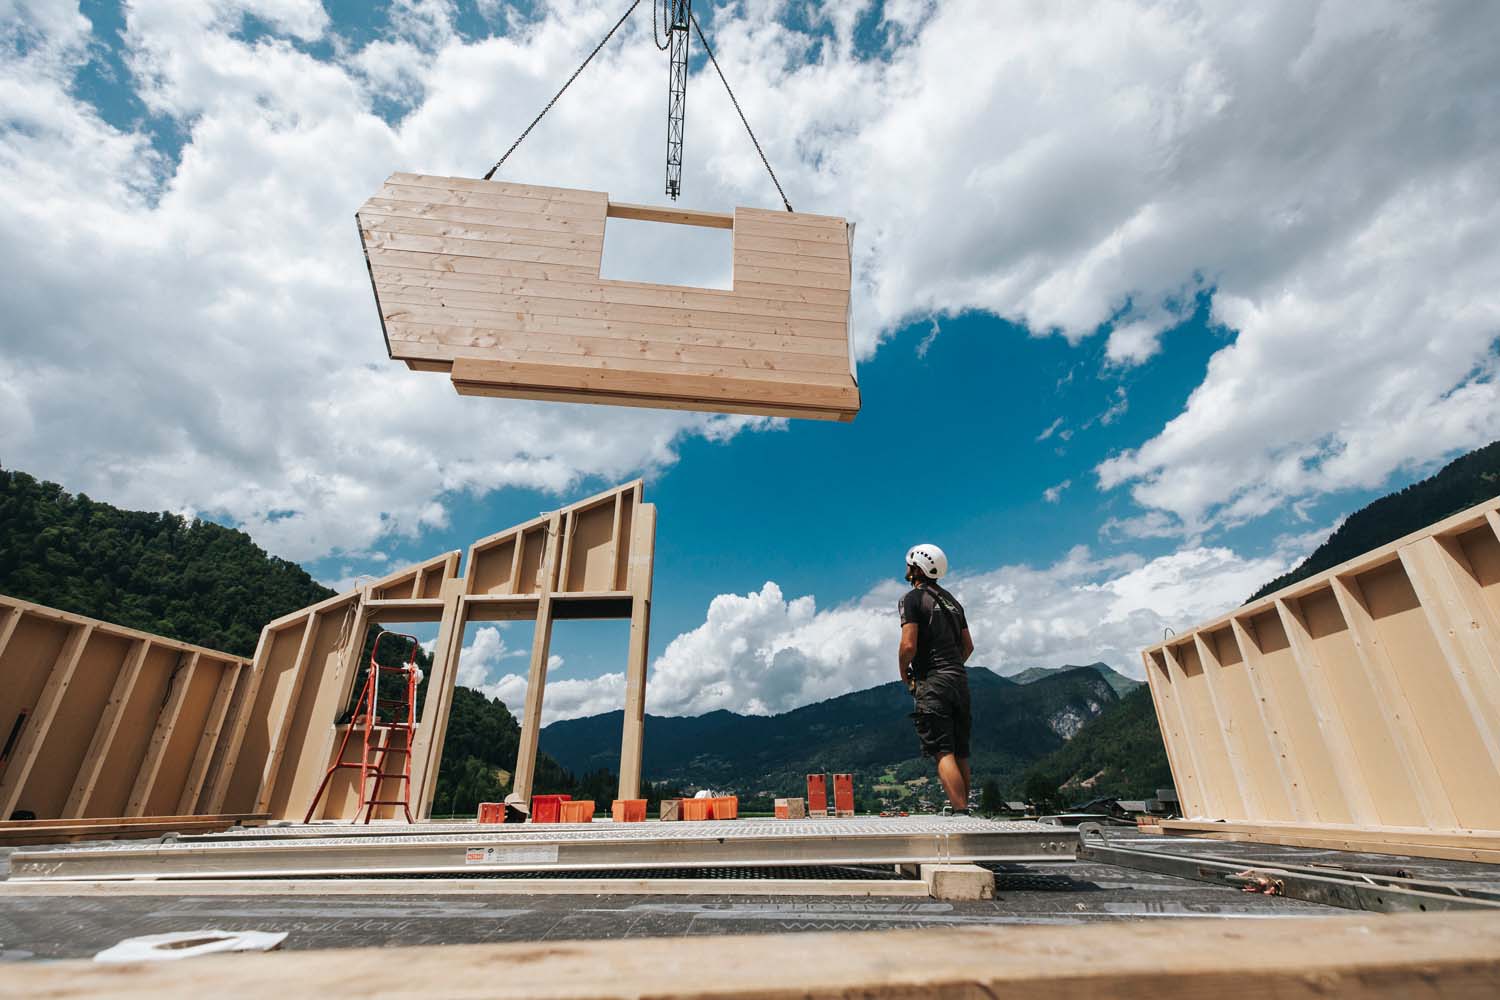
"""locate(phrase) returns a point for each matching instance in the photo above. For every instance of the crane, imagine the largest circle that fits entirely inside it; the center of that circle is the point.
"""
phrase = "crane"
(670, 24)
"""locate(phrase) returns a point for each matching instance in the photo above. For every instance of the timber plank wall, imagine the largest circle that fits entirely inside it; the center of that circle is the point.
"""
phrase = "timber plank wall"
(1359, 707)
(500, 285)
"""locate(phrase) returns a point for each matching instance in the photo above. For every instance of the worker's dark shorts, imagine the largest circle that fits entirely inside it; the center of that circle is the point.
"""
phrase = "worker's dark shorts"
(942, 716)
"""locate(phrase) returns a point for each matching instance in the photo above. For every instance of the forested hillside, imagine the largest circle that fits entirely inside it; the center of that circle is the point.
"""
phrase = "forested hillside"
(190, 580)
(1119, 754)
(1461, 483)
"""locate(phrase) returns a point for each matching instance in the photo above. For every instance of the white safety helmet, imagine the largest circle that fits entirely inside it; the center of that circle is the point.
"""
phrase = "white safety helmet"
(929, 559)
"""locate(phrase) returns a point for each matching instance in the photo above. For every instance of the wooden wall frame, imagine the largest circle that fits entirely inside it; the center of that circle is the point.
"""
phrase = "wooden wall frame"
(1358, 706)
(499, 284)
(105, 721)
(591, 559)
(100, 721)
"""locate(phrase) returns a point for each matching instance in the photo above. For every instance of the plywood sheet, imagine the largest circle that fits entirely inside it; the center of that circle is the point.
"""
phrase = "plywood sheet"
(1376, 689)
(500, 285)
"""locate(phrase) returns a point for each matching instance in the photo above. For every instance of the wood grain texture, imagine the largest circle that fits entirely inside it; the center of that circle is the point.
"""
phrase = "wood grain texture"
(506, 278)
(1357, 709)
(1363, 957)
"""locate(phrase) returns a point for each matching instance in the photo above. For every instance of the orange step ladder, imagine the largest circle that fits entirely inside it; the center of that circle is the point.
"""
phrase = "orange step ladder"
(366, 718)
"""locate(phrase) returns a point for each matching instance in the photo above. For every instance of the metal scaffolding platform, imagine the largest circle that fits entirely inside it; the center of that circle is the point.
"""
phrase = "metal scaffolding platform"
(471, 849)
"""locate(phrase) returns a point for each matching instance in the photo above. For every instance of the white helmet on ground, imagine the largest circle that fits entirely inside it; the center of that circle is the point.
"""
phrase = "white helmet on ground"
(929, 559)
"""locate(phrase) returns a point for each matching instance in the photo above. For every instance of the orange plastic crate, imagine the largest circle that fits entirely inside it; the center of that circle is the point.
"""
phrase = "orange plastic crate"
(727, 807)
(546, 808)
(628, 810)
(783, 811)
(492, 812)
(697, 809)
(817, 795)
(843, 794)
(580, 811)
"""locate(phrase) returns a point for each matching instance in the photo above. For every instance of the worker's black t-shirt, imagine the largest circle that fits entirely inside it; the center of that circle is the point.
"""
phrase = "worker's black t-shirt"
(940, 625)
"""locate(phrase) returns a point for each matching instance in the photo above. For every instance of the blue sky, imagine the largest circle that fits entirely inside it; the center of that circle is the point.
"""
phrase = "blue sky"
(1147, 301)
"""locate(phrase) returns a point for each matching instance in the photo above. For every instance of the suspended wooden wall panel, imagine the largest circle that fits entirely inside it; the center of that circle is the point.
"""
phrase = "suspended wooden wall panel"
(101, 721)
(500, 285)
(1359, 706)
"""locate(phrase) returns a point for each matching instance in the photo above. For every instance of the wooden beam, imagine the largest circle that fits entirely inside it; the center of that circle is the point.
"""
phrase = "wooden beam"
(1289, 769)
(1470, 650)
(104, 736)
(218, 788)
(432, 729)
(213, 725)
(8, 626)
(1207, 793)
(1340, 747)
(24, 757)
(1226, 716)
(1357, 957)
(283, 725)
(536, 679)
(632, 738)
(677, 216)
(1418, 770)
(161, 735)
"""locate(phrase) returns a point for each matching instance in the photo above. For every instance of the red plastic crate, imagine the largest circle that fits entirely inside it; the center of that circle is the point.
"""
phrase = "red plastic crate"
(843, 794)
(628, 810)
(579, 811)
(817, 795)
(547, 808)
(492, 812)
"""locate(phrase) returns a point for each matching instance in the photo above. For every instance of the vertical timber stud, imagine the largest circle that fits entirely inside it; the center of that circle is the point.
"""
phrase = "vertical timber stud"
(1207, 794)
(8, 626)
(109, 724)
(1175, 748)
(432, 729)
(536, 679)
(632, 740)
(212, 726)
(1293, 783)
(166, 720)
(282, 726)
(1457, 635)
(356, 617)
(1341, 753)
(1234, 735)
(29, 747)
(218, 789)
(1421, 772)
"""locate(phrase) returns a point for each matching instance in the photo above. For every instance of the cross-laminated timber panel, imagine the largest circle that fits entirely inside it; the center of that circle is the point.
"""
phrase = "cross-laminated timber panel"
(1358, 706)
(500, 284)
(98, 720)
(591, 559)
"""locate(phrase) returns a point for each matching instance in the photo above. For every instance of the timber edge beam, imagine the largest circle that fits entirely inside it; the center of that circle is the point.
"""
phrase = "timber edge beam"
(1356, 709)
(1370, 958)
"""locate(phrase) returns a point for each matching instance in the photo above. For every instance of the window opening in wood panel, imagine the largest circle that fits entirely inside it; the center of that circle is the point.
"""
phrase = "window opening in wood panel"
(665, 254)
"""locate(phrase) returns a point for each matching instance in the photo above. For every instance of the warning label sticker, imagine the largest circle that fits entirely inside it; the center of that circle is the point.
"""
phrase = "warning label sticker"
(530, 855)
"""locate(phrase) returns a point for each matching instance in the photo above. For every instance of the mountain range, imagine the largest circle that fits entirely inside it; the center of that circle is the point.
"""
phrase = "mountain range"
(867, 732)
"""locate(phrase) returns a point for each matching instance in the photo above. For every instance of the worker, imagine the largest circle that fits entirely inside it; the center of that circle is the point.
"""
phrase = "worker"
(935, 645)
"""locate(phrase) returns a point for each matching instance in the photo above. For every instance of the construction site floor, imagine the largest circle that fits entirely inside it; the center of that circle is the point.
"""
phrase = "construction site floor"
(67, 925)
(75, 920)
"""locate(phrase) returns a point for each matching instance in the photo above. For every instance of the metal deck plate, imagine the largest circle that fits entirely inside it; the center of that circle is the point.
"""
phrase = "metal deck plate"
(474, 849)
